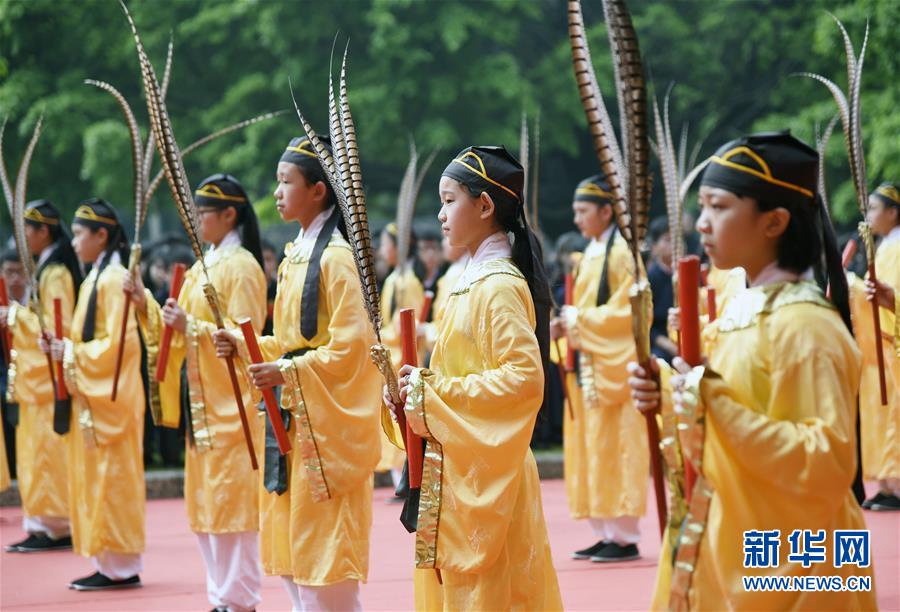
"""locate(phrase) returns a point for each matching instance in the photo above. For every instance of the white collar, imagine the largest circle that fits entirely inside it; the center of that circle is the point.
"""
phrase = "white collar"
(892, 236)
(214, 253)
(306, 238)
(495, 246)
(45, 254)
(598, 245)
(115, 258)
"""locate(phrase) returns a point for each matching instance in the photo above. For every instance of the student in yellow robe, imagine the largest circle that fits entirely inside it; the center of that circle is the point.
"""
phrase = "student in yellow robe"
(605, 445)
(13, 273)
(480, 517)
(106, 473)
(316, 503)
(402, 289)
(769, 421)
(221, 489)
(881, 424)
(42, 436)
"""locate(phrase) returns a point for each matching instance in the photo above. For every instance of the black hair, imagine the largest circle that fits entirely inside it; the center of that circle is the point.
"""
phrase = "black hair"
(312, 174)
(10, 256)
(659, 227)
(808, 242)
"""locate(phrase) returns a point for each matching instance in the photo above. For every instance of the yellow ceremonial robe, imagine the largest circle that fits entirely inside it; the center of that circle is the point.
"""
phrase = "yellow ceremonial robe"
(778, 402)
(481, 521)
(4, 465)
(106, 474)
(400, 290)
(220, 485)
(879, 425)
(41, 454)
(605, 445)
(318, 531)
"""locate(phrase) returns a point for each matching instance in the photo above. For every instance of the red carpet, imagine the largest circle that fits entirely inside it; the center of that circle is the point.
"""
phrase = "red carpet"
(174, 577)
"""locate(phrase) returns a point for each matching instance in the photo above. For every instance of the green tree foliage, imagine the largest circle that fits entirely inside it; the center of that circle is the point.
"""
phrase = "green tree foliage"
(448, 73)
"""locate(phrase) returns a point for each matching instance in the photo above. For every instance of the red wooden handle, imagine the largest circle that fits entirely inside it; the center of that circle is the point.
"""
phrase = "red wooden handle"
(689, 318)
(711, 302)
(174, 290)
(689, 308)
(7, 336)
(569, 298)
(879, 347)
(61, 391)
(120, 351)
(284, 445)
(410, 357)
(426, 306)
(849, 252)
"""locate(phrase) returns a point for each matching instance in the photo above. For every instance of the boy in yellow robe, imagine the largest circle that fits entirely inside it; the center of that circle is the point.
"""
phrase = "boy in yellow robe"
(769, 422)
(605, 445)
(316, 503)
(221, 489)
(480, 518)
(881, 424)
(43, 441)
(106, 473)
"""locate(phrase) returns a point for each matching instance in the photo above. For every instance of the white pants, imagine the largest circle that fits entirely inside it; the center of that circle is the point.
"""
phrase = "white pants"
(889, 486)
(233, 575)
(622, 530)
(54, 526)
(118, 566)
(340, 597)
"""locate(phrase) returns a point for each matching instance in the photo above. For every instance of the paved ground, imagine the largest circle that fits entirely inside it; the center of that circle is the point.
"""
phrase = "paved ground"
(174, 575)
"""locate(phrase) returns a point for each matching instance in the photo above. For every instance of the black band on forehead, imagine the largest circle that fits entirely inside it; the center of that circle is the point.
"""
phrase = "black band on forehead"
(42, 211)
(774, 167)
(96, 213)
(594, 189)
(490, 169)
(221, 191)
(888, 193)
(300, 152)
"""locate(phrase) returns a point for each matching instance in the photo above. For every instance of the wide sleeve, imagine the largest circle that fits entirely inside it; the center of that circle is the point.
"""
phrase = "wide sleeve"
(56, 283)
(95, 362)
(482, 424)
(165, 395)
(335, 388)
(804, 442)
(601, 329)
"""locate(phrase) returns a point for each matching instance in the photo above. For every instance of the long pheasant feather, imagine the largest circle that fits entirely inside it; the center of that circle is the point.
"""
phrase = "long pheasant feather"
(599, 124)
(136, 154)
(160, 176)
(4, 177)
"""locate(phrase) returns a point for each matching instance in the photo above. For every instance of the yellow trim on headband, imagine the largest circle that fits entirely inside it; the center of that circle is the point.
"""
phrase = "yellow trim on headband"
(215, 192)
(483, 173)
(592, 189)
(87, 213)
(33, 214)
(765, 175)
(303, 149)
(890, 192)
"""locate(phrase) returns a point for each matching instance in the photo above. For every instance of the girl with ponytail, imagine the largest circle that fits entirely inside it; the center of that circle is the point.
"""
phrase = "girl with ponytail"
(605, 445)
(220, 485)
(476, 406)
(106, 470)
(769, 422)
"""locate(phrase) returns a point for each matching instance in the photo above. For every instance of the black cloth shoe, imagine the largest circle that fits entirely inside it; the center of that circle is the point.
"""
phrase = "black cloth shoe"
(590, 551)
(99, 582)
(44, 543)
(613, 553)
(888, 503)
(31, 539)
(867, 505)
